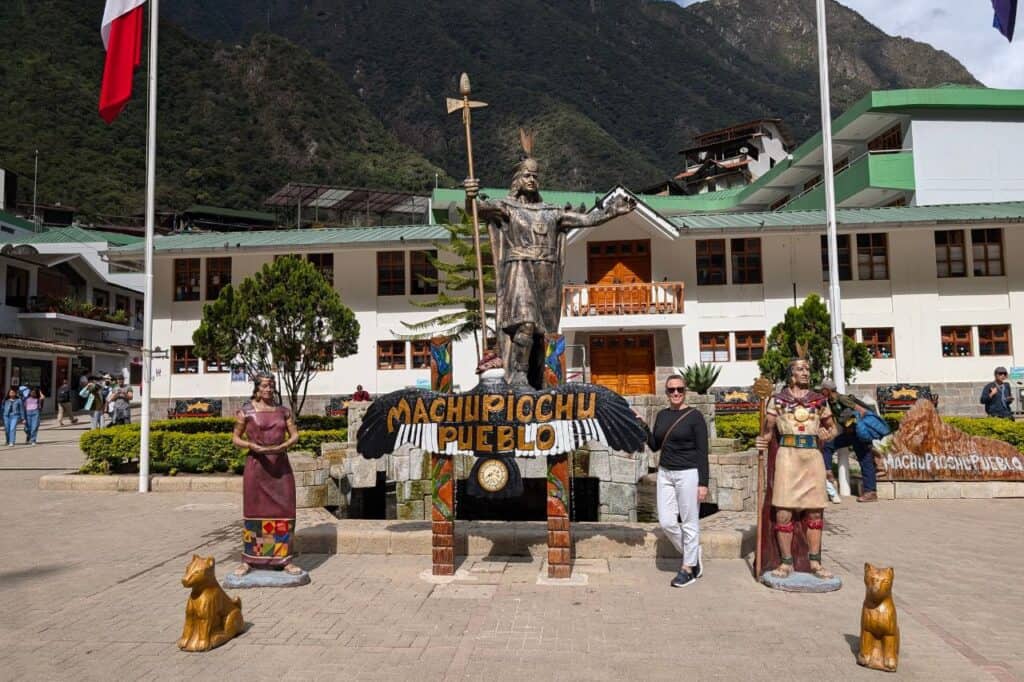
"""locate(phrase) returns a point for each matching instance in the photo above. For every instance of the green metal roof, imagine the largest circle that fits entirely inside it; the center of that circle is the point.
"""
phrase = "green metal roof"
(666, 205)
(953, 213)
(288, 239)
(260, 216)
(15, 221)
(71, 235)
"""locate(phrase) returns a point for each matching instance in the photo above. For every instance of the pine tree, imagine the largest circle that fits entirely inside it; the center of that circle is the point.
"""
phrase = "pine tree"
(809, 324)
(456, 283)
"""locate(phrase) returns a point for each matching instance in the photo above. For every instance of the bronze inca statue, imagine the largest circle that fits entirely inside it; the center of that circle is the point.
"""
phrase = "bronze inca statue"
(528, 243)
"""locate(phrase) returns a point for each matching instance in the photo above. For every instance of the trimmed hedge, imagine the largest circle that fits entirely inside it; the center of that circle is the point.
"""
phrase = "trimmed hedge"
(745, 426)
(310, 422)
(180, 451)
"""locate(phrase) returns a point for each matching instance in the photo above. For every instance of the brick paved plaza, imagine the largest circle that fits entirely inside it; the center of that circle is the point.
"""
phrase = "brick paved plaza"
(89, 590)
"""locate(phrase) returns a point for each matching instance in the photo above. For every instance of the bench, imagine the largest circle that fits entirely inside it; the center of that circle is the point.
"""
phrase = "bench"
(338, 406)
(195, 408)
(901, 397)
(735, 400)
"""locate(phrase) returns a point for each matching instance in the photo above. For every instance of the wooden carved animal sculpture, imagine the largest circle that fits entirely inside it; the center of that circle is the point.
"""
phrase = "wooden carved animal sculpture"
(211, 616)
(736, 395)
(198, 406)
(879, 633)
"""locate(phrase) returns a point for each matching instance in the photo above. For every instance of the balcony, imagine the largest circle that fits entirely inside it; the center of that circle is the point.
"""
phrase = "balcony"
(638, 299)
(865, 182)
(74, 312)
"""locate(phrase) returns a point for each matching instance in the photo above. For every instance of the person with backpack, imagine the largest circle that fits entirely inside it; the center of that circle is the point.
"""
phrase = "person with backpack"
(64, 407)
(120, 405)
(13, 412)
(860, 425)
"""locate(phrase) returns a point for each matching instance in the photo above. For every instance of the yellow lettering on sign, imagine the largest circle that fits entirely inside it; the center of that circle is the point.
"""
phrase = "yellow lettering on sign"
(563, 405)
(509, 402)
(543, 410)
(454, 408)
(505, 440)
(586, 405)
(437, 410)
(521, 441)
(465, 438)
(471, 411)
(524, 408)
(445, 435)
(483, 443)
(545, 437)
(419, 412)
(492, 403)
(399, 414)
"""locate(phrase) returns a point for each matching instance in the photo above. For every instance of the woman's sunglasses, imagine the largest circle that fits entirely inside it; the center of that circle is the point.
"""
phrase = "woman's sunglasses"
(676, 389)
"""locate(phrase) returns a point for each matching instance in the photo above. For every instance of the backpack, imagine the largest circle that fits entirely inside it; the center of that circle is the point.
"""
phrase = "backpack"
(871, 427)
(64, 395)
(121, 410)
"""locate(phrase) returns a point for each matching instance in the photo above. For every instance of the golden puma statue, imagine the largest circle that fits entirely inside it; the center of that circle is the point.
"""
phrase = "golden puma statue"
(211, 616)
(879, 633)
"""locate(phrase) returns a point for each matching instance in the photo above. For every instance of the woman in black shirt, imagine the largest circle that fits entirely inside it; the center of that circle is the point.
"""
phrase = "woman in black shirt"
(681, 435)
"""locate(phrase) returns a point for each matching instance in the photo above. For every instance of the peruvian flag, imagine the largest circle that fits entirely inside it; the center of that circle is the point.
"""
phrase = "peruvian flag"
(122, 37)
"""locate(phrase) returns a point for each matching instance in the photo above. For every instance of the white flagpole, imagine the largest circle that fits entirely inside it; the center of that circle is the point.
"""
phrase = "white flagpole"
(834, 298)
(147, 305)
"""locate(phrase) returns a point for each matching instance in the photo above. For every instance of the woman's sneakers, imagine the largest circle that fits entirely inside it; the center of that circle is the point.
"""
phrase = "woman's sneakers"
(683, 579)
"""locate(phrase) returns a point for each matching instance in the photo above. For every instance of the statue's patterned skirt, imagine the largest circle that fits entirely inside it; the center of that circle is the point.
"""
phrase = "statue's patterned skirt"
(268, 508)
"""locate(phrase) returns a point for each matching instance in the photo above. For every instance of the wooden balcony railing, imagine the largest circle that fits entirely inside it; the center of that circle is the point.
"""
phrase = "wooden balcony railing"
(641, 298)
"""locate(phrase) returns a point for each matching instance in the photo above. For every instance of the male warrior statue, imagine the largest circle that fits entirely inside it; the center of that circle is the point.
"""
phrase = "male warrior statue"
(804, 421)
(528, 243)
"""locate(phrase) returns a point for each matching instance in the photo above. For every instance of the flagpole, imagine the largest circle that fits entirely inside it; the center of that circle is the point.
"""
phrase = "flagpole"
(147, 305)
(834, 298)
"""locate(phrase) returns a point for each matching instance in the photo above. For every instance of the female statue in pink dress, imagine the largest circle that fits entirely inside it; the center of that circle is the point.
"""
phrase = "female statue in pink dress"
(267, 430)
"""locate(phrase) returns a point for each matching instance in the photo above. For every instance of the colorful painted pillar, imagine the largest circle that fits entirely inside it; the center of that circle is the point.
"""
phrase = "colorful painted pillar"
(554, 360)
(442, 539)
(559, 533)
(441, 364)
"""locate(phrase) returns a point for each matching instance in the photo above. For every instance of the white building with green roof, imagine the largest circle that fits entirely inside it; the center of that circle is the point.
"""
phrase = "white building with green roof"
(63, 313)
(930, 193)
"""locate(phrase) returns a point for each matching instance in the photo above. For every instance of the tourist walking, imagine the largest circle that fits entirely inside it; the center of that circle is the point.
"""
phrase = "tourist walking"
(13, 412)
(64, 408)
(33, 408)
(997, 396)
(681, 435)
(93, 396)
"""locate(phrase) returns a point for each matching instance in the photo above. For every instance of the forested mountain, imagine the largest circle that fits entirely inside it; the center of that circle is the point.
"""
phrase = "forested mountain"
(258, 92)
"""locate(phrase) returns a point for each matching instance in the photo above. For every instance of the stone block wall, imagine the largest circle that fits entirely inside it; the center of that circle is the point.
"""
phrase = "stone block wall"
(732, 480)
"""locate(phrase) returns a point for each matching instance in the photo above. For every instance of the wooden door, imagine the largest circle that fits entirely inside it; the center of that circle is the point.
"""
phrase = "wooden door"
(615, 263)
(623, 362)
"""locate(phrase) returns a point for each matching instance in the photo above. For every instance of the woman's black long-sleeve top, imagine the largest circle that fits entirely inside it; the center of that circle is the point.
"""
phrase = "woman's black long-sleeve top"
(687, 444)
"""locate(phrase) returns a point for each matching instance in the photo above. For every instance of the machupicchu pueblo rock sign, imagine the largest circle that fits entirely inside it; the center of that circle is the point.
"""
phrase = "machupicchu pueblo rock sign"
(520, 408)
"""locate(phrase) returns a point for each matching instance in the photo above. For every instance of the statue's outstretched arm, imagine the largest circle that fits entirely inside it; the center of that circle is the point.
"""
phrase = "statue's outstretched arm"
(570, 220)
(487, 211)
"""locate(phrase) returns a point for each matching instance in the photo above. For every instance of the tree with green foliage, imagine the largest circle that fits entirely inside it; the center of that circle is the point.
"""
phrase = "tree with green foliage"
(809, 325)
(286, 320)
(457, 286)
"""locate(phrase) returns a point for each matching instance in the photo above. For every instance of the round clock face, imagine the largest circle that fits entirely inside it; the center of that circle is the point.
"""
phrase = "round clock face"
(492, 475)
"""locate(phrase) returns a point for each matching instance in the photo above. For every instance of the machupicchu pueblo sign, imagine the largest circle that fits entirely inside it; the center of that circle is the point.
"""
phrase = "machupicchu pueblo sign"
(925, 448)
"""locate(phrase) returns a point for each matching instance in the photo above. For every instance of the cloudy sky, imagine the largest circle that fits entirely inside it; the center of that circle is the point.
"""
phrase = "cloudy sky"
(962, 28)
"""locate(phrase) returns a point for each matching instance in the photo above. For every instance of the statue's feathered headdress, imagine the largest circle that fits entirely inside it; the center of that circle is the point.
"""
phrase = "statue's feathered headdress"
(526, 138)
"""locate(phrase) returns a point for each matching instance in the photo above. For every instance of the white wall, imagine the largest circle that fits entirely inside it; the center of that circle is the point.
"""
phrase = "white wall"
(967, 161)
(355, 278)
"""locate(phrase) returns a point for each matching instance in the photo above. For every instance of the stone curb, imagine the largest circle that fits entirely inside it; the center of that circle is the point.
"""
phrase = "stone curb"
(129, 483)
(321, 533)
(948, 490)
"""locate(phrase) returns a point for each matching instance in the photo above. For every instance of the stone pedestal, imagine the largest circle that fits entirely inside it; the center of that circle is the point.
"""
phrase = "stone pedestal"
(559, 533)
(442, 541)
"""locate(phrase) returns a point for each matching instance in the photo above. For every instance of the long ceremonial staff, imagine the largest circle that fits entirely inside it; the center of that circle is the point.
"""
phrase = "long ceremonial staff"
(763, 390)
(465, 104)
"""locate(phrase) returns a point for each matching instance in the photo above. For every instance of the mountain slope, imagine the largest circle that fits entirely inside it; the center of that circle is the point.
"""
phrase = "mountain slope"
(631, 80)
(234, 124)
(861, 56)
